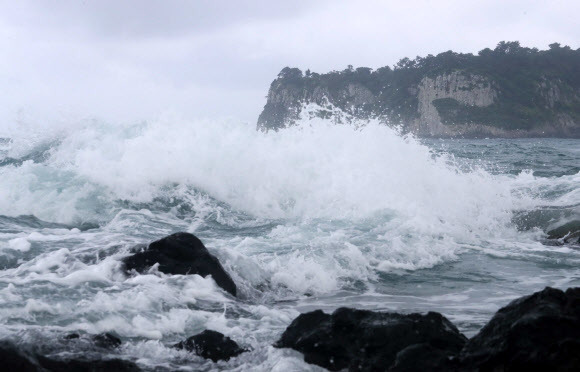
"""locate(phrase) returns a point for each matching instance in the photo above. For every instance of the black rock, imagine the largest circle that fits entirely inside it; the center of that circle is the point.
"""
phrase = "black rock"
(102, 340)
(362, 340)
(181, 253)
(211, 345)
(534, 333)
(13, 359)
(78, 365)
(424, 357)
(106, 341)
(569, 232)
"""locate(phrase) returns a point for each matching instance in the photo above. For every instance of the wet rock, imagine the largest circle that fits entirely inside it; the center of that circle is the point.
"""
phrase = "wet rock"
(568, 233)
(362, 340)
(211, 345)
(102, 340)
(534, 333)
(424, 357)
(13, 359)
(99, 365)
(106, 341)
(72, 336)
(180, 253)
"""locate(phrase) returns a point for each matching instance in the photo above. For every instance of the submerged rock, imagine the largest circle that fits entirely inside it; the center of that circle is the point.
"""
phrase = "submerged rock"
(180, 253)
(363, 340)
(536, 332)
(211, 345)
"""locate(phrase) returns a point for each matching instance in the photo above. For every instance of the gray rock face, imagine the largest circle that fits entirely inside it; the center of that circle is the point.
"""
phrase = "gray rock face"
(469, 90)
(358, 95)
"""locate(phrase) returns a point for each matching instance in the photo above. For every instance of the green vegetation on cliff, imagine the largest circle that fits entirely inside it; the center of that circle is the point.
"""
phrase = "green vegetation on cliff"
(532, 88)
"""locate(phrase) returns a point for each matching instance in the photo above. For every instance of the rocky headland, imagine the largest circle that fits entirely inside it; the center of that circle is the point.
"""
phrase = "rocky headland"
(510, 91)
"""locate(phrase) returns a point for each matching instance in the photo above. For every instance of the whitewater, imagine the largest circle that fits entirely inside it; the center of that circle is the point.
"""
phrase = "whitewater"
(316, 216)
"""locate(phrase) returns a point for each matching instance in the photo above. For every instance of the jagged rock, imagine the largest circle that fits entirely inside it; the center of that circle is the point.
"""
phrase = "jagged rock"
(180, 253)
(362, 340)
(211, 345)
(540, 332)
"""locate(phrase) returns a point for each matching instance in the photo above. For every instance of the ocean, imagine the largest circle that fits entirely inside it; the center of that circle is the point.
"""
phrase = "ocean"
(316, 216)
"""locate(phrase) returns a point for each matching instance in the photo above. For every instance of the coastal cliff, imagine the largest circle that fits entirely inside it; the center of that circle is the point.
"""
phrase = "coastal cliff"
(510, 91)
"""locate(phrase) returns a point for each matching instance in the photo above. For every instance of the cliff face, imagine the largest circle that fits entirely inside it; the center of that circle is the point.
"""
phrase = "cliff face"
(467, 90)
(508, 92)
(287, 98)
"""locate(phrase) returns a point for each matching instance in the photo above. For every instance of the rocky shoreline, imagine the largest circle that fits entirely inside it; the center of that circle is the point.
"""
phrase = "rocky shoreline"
(536, 332)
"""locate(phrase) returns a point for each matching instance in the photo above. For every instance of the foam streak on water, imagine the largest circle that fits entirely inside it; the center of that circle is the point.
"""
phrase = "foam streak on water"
(315, 216)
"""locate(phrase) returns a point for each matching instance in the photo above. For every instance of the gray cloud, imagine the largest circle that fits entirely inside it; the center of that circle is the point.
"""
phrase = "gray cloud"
(131, 60)
(139, 19)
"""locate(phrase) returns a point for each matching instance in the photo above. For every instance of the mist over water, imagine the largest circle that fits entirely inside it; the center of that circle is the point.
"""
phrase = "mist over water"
(314, 216)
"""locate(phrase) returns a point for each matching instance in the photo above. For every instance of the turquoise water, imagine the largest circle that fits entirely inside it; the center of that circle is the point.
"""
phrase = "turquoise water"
(317, 216)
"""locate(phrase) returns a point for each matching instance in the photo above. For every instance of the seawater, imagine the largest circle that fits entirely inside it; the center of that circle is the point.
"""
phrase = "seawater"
(317, 216)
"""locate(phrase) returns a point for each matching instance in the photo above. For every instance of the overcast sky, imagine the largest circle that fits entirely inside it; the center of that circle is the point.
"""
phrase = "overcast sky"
(128, 60)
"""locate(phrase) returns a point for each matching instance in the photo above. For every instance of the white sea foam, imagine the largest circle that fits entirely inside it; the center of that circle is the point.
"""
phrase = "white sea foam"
(422, 208)
(305, 172)
(19, 244)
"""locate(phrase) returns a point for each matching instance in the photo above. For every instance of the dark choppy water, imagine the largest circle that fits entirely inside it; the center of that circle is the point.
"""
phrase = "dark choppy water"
(314, 217)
